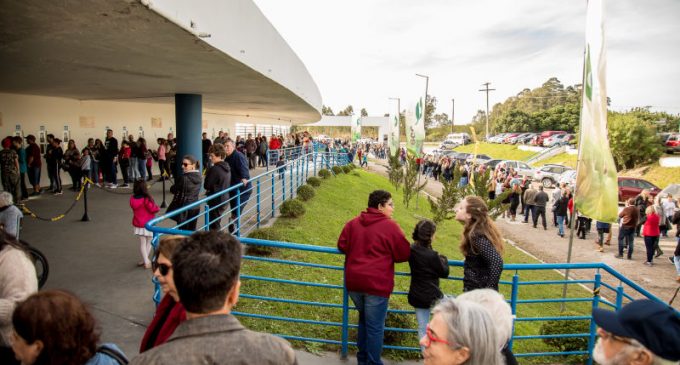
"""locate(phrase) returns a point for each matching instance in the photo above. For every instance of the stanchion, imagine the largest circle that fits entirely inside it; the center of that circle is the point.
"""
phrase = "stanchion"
(163, 205)
(85, 217)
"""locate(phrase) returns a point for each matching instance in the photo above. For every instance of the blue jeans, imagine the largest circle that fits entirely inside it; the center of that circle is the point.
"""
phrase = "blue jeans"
(560, 223)
(372, 313)
(530, 208)
(141, 167)
(627, 234)
(423, 318)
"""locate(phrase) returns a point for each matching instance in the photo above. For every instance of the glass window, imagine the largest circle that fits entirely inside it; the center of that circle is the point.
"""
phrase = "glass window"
(524, 166)
(628, 183)
(644, 185)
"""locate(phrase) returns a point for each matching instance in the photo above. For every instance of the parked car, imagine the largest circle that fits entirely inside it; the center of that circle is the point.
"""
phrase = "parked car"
(673, 189)
(521, 167)
(526, 138)
(569, 178)
(558, 140)
(516, 139)
(539, 139)
(491, 164)
(460, 138)
(448, 145)
(549, 175)
(498, 138)
(507, 138)
(630, 187)
(462, 156)
(479, 158)
(673, 143)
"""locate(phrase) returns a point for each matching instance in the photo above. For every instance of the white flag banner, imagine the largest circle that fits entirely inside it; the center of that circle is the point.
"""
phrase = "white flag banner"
(393, 134)
(596, 181)
(415, 128)
(356, 129)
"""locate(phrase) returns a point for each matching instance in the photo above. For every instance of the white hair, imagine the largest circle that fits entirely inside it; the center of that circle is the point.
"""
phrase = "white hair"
(470, 325)
(623, 356)
(499, 309)
(6, 199)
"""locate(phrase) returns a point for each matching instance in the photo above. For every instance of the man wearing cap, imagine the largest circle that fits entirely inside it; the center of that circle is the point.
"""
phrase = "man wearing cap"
(643, 332)
(34, 163)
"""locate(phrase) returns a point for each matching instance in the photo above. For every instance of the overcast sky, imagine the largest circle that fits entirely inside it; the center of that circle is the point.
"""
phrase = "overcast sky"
(361, 52)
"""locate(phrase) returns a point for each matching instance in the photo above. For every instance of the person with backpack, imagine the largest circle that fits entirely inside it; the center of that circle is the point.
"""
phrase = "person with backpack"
(427, 266)
(144, 209)
(68, 336)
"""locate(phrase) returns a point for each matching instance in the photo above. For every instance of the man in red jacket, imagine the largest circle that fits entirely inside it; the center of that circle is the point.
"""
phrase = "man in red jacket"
(372, 243)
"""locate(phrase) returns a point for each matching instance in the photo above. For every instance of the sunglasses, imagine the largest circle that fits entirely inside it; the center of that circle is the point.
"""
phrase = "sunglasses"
(185, 164)
(163, 269)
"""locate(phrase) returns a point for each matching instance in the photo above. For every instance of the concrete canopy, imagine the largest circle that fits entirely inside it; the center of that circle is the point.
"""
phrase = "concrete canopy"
(125, 49)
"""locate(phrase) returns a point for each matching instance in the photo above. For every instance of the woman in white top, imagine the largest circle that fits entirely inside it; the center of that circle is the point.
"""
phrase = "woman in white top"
(9, 214)
(669, 205)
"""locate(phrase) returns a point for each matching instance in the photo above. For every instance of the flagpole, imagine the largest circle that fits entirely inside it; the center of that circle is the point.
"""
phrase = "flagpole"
(427, 81)
(563, 305)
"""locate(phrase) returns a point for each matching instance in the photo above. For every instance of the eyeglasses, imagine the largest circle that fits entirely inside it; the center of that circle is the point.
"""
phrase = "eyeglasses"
(185, 164)
(163, 269)
(431, 338)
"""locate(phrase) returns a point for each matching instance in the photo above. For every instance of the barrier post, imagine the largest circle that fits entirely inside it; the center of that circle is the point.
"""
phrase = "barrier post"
(85, 218)
(206, 217)
(315, 158)
(163, 205)
(283, 186)
(593, 326)
(513, 305)
(238, 212)
(266, 159)
(619, 296)
(273, 194)
(345, 324)
(258, 203)
(292, 192)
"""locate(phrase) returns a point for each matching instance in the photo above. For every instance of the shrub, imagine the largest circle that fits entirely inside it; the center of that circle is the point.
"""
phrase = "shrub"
(568, 343)
(305, 192)
(337, 170)
(292, 208)
(314, 181)
(325, 174)
(269, 234)
(351, 166)
(346, 169)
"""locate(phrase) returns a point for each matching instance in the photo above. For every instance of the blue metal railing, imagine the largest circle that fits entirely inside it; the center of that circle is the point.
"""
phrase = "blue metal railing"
(612, 293)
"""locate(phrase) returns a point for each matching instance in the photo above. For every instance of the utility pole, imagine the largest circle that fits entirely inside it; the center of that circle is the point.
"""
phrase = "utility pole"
(453, 111)
(486, 89)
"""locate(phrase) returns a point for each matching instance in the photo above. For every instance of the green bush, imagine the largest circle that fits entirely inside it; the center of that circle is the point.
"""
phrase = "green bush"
(325, 174)
(314, 181)
(269, 234)
(337, 170)
(305, 192)
(568, 343)
(351, 166)
(292, 208)
(346, 169)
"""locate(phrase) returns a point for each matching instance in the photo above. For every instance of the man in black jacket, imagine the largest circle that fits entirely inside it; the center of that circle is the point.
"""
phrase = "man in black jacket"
(239, 175)
(540, 201)
(109, 159)
(217, 179)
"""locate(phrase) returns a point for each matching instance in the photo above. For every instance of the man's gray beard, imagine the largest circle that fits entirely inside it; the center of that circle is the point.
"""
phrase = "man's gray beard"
(598, 355)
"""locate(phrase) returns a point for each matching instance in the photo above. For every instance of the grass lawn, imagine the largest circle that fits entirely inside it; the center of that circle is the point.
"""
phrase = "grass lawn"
(561, 159)
(504, 151)
(338, 200)
(657, 175)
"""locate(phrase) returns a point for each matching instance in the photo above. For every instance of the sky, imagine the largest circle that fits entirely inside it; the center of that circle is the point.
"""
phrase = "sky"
(362, 52)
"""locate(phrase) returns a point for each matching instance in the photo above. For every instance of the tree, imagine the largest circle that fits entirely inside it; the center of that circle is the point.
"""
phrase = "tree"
(439, 120)
(326, 110)
(632, 140)
(349, 110)
(395, 170)
(479, 122)
(411, 187)
(364, 113)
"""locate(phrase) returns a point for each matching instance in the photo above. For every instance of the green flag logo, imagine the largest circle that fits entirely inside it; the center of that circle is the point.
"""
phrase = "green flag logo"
(419, 110)
(589, 76)
(396, 121)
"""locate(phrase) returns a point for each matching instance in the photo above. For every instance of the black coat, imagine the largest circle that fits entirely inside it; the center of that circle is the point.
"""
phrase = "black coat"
(218, 178)
(561, 206)
(185, 190)
(427, 266)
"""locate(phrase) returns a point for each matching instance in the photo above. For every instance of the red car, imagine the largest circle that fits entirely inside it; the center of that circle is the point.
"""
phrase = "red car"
(539, 139)
(630, 187)
(673, 143)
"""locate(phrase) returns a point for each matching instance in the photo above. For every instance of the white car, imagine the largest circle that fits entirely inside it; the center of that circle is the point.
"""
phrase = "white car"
(448, 145)
(569, 178)
(520, 166)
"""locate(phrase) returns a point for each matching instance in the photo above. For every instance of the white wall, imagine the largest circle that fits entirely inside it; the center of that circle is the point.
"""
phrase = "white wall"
(89, 119)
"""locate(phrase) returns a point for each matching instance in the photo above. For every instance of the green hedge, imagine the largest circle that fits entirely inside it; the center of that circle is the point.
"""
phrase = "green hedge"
(292, 208)
(325, 174)
(305, 192)
(337, 170)
(314, 181)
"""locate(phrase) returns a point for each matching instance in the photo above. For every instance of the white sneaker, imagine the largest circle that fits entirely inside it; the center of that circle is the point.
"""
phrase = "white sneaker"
(113, 186)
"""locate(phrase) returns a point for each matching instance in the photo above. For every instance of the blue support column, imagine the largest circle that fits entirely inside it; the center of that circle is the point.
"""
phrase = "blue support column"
(189, 120)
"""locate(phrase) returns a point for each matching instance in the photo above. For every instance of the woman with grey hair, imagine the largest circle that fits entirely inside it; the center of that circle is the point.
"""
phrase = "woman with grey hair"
(501, 312)
(461, 332)
(9, 214)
